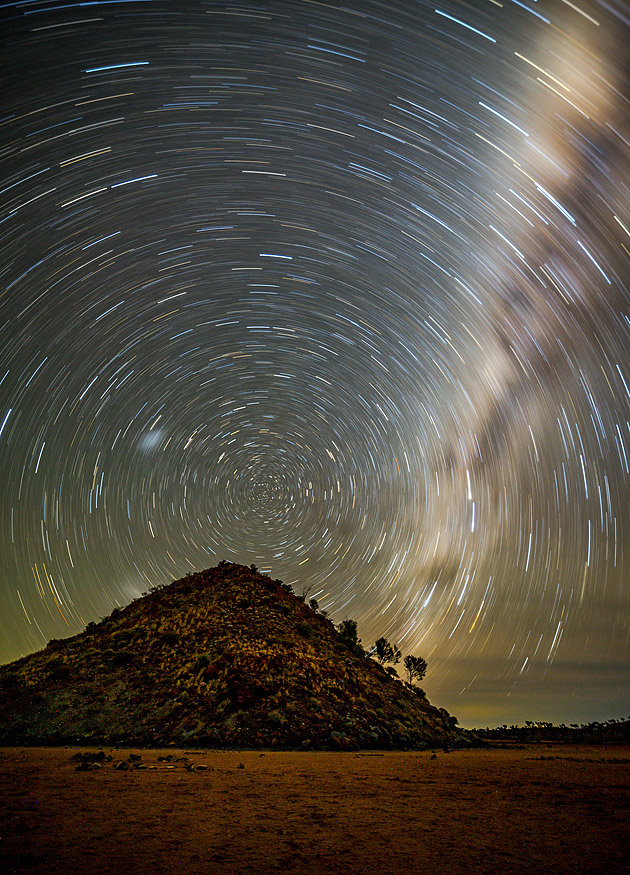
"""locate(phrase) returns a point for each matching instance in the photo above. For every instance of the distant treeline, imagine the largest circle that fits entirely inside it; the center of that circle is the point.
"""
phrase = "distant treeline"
(609, 732)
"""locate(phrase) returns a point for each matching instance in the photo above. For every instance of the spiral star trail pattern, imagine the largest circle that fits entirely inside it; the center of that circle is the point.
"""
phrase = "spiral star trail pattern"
(337, 290)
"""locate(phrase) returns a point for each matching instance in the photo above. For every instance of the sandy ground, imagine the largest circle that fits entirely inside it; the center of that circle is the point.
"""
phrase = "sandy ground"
(502, 811)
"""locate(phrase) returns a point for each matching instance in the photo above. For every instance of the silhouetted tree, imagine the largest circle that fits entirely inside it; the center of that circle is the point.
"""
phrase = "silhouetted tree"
(304, 595)
(386, 652)
(416, 668)
(348, 633)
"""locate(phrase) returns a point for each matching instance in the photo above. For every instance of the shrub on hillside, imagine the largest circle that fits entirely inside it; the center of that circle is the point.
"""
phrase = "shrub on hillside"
(202, 661)
(304, 629)
(123, 657)
(170, 637)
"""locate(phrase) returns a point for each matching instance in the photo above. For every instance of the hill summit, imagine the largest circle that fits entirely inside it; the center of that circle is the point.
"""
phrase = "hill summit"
(227, 657)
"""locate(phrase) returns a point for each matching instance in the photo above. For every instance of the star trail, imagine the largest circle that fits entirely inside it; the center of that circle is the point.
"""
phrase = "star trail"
(338, 290)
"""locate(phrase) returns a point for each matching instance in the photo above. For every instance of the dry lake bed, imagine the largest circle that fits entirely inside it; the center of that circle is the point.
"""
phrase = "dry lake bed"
(541, 809)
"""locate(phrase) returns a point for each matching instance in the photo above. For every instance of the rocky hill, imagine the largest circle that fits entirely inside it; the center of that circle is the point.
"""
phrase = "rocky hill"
(224, 658)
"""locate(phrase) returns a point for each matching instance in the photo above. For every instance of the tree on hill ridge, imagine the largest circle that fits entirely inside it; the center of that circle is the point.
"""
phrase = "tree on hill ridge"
(416, 668)
(386, 652)
(348, 633)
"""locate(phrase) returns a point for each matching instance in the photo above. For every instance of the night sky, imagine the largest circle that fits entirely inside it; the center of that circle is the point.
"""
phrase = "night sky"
(339, 290)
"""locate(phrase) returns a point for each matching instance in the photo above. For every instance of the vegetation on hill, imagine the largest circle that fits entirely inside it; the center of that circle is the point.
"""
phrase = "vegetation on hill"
(225, 657)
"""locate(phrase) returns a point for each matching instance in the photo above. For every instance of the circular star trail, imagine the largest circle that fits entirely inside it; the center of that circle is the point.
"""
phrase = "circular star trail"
(341, 291)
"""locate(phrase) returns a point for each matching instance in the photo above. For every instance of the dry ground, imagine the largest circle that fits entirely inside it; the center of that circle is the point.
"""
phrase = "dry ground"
(502, 811)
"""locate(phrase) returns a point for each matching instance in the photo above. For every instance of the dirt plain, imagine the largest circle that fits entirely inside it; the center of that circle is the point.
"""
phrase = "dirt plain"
(539, 809)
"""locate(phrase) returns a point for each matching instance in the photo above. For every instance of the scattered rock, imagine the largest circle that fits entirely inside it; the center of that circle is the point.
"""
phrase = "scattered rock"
(90, 757)
(87, 766)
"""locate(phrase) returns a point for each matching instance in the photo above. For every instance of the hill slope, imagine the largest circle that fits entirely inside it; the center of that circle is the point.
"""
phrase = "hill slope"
(226, 657)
